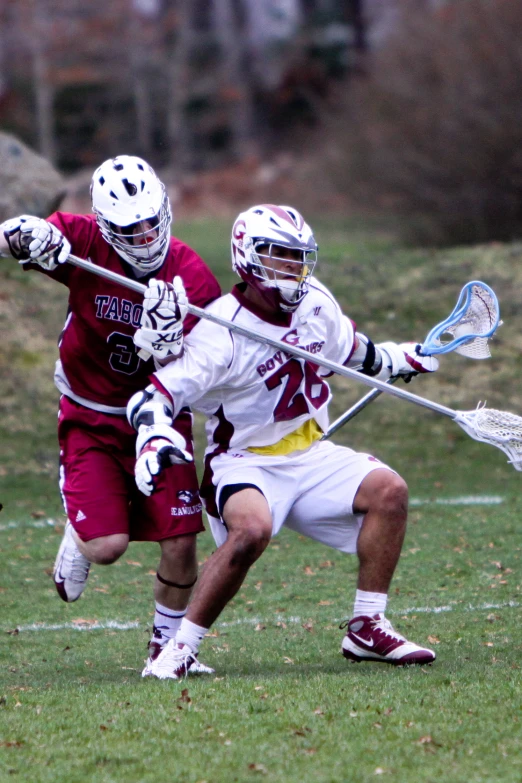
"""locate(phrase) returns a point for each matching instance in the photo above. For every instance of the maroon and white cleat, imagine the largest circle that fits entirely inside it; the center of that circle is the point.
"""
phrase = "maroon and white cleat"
(374, 639)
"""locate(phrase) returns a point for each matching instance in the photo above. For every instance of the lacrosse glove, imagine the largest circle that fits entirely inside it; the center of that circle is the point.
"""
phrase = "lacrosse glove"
(164, 309)
(404, 360)
(157, 447)
(33, 240)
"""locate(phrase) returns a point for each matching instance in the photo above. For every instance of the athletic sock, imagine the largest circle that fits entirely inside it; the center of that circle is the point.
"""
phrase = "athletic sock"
(190, 634)
(369, 604)
(167, 621)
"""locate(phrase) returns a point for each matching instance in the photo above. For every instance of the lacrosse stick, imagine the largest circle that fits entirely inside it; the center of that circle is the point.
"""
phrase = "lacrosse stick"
(474, 319)
(503, 430)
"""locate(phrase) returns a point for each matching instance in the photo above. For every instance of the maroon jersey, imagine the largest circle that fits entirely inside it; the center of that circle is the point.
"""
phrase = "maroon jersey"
(97, 352)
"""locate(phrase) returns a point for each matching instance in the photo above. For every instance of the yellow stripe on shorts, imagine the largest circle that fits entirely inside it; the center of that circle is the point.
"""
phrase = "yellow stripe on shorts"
(298, 440)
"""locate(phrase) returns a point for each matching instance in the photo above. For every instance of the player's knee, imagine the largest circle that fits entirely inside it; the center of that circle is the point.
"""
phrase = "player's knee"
(391, 497)
(178, 555)
(249, 541)
(106, 549)
(182, 548)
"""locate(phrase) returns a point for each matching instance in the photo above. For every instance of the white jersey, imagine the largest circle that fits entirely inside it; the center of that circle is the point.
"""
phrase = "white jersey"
(253, 394)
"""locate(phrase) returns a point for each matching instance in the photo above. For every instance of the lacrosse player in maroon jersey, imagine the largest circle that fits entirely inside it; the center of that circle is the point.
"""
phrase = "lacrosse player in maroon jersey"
(113, 339)
(266, 465)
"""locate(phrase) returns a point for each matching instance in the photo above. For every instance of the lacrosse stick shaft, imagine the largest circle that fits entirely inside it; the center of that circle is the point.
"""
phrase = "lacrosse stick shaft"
(356, 408)
(279, 345)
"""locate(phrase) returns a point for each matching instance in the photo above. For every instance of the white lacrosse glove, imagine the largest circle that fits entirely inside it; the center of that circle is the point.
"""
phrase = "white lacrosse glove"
(32, 239)
(404, 360)
(157, 447)
(164, 309)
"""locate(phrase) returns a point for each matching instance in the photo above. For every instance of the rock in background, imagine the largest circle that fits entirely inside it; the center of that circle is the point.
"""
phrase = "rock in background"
(29, 185)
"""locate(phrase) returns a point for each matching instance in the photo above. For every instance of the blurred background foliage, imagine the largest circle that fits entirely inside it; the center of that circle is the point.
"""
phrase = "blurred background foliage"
(434, 131)
(405, 107)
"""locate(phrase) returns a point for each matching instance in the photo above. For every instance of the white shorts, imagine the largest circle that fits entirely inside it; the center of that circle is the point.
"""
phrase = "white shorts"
(311, 492)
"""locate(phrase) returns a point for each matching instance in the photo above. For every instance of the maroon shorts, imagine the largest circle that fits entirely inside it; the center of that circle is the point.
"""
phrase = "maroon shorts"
(97, 456)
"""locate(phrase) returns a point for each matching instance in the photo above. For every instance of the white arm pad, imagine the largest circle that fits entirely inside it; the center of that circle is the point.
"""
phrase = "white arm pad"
(366, 358)
(149, 406)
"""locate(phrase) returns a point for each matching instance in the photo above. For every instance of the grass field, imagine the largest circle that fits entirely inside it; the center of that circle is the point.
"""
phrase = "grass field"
(284, 705)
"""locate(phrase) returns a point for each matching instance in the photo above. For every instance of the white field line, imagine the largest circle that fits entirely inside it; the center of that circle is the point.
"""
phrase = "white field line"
(113, 625)
(279, 618)
(31, 523)
(464, 500)
(410, 611)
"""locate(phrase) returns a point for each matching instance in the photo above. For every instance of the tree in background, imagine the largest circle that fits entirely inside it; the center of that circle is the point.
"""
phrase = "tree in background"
(186, 83)
(434, 133)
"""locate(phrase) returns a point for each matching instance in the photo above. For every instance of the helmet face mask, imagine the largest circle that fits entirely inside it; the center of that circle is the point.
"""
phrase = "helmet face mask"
(132, 211)
(274, 252)
(292, 281)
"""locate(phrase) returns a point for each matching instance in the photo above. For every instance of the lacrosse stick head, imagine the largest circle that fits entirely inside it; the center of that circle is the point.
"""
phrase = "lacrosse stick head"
(498, 428)
(475, 318)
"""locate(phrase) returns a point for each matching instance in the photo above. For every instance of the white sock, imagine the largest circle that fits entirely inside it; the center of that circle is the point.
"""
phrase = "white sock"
(167, 621)
(369, 604)
(190, 634)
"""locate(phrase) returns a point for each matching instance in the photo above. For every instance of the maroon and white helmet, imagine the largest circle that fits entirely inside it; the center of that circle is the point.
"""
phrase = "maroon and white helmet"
(254, 234)
(125, 191)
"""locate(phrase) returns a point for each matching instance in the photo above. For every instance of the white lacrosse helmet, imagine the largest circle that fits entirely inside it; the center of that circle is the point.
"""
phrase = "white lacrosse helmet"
(255, 233)
(132, 210)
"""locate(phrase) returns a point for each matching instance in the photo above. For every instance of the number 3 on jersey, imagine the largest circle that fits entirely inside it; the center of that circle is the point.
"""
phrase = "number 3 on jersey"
(123, 357)
(293, 400)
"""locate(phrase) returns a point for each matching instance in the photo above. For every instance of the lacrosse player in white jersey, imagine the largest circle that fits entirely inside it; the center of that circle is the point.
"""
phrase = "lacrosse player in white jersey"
(265, 465)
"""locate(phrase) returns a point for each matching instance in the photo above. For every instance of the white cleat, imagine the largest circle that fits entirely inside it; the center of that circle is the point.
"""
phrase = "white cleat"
(71, 568)
(173, 662)
(155, 649)
(198, 668)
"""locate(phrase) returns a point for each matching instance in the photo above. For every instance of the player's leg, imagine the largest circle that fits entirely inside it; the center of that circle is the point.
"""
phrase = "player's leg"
(172, 516)
(360, 506)
(177, 571)
(175, 579)
(249, 523)
(94, 492)
(246, 514)
(382, 500)
(103, 550)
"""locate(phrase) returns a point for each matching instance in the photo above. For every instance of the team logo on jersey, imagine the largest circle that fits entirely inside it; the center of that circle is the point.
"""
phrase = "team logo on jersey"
(187, 496)
(292, 338)
(191, 501)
